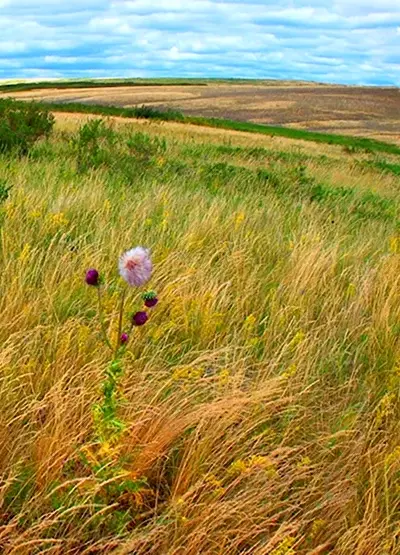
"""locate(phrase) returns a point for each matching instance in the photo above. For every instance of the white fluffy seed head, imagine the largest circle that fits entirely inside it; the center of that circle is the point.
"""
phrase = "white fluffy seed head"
(135, 266)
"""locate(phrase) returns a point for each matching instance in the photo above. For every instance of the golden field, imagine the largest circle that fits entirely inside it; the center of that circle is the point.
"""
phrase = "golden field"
(261, 400)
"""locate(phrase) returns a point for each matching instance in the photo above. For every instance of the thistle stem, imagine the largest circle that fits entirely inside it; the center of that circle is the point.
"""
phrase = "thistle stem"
(120, 319)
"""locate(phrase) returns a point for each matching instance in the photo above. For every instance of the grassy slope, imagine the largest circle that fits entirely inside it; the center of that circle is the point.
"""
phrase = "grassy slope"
(355, 143)
(263, 395)
(172, 115)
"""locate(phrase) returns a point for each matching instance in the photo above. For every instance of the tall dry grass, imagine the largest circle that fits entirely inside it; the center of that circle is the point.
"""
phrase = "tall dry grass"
(262, 398)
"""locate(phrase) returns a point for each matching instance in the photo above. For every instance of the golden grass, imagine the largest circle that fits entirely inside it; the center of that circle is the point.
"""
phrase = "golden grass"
(262, 398)
(188, 133)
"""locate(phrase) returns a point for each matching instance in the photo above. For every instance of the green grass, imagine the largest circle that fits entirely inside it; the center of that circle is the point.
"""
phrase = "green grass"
(383, 166)
(368, 145)
(371, 145)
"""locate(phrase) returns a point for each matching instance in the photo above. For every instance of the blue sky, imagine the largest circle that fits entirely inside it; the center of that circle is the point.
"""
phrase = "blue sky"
(342, 41)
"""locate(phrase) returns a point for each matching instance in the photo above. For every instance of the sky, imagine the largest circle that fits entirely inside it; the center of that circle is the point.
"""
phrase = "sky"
(336, 41)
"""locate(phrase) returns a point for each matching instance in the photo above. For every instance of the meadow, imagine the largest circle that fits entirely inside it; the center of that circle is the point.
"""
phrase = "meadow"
(260, 401)
(372, 112)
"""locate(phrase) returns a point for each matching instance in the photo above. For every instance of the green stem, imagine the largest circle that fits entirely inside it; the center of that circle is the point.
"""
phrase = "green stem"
(120, 319)
(102, 324)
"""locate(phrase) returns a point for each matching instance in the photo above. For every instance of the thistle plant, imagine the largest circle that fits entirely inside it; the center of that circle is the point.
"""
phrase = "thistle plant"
(135, 268)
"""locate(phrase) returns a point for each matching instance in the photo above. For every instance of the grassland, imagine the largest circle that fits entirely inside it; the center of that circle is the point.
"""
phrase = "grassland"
(351, 143)
(372, 112)
(261, 399)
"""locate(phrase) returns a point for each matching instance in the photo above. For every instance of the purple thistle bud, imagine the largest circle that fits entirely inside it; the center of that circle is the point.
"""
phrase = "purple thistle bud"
(92, 277)
(150, 303)
(124, 338)
(150, 299)
(139, 319)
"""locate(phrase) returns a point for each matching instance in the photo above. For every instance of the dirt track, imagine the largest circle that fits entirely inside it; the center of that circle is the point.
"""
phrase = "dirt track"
(371, 112)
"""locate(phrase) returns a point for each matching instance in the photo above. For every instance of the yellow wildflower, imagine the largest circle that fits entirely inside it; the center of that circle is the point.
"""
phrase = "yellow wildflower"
(187, 373)
(106, 450)
(249, 323)
(240, 217)
(290, 372)
(385, 409)
(180, 374)
(297, 339)
(224, 376)
(255, 462)
(351, 290)
(285, 547)
(304, 462)
(237, 467)
(393, 459)
(196, 373)
(213, 481)
(394, 245)
(57, 220)
(317, 527)
(262, 463)
(84, 332)
(216, 484)
(254, 342)
(24, 254)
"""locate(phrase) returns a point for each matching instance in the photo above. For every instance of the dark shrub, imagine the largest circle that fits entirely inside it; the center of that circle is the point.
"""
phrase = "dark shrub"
(143, 147)
(93, 145)
(21, 124)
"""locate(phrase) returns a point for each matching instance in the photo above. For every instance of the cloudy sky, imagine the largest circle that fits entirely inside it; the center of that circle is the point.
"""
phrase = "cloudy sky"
(343, 41)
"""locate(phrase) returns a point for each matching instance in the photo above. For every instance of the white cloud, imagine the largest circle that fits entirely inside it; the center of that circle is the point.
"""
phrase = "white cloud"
(60, 60)
(10, 47)
(327, 40)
